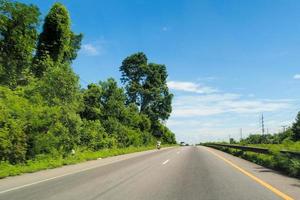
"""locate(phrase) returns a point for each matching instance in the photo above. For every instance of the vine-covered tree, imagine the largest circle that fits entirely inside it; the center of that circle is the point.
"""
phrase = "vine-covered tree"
(56, 41)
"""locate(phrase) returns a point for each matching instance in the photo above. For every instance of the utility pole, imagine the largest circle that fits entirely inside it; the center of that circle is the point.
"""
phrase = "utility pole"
(262, 124)
(241, 133)
(283, 127)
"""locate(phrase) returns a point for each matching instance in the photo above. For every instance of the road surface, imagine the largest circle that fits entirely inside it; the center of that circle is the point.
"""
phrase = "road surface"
(180, 173)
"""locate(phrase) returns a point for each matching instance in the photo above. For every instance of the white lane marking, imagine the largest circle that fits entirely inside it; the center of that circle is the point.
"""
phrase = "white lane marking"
(55, 177)
(166, 162)
(178, 152)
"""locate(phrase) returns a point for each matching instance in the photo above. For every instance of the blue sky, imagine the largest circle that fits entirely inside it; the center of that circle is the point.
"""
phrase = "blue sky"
(228, 61)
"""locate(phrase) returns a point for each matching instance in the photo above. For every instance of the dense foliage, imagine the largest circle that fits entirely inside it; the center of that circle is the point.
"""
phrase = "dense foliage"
(43, 109)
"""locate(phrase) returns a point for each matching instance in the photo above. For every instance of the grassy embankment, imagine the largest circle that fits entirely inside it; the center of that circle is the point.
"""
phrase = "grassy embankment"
(48, 161)
(275, 160)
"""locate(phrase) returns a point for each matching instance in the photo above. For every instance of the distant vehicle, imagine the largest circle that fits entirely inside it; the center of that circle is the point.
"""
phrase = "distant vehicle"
(182, 143)
(158, 145)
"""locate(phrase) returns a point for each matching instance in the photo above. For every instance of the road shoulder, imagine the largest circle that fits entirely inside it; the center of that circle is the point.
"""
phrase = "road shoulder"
(288, 185)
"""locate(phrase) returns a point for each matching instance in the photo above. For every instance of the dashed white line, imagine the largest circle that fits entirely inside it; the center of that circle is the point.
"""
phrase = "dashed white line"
(166, 162)
(178, 152)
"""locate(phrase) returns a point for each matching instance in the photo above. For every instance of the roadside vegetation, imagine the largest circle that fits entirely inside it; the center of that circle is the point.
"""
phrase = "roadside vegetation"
(47, 119)
(287, 140)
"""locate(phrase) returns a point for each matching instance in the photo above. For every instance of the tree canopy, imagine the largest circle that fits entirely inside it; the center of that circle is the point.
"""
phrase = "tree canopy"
(18, 34)
(146, 86)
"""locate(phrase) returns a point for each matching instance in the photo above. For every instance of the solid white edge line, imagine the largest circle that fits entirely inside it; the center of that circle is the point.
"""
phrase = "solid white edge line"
(55, 177)
(41, 181)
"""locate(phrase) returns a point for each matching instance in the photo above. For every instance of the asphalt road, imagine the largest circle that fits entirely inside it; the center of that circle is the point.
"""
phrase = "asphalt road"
(182, 173)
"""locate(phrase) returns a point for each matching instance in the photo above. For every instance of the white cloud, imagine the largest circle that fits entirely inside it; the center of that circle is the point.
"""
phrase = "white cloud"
(214, 104)
(297, 76)
(208, 78)
(90, 49)
(190, 87)
(165, 28)
(208, 101)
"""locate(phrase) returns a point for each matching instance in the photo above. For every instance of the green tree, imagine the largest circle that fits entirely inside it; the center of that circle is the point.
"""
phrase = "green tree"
(60, 85)
(157, 101)
(93, 135)
(112, 99)
(133, 70)
(146, 86)
(56, 41)
(296, 128)
(92, 102)
(168, 137)
(106, 102)
(18, 34)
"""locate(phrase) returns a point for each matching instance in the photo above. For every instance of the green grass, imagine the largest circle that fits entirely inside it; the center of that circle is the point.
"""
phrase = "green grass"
(47, 161)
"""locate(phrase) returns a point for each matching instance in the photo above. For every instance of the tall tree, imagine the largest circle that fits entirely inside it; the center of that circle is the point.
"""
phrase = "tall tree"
(56, 41)
(156, 98)
(133, 75)
(18, 35)
(146, 86)
(296, 128)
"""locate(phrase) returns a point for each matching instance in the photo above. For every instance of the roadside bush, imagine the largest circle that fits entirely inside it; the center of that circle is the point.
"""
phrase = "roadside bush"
(93, 135)
(12, 126)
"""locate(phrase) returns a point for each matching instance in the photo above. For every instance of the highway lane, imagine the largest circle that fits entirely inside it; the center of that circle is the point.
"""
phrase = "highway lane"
(173, 174)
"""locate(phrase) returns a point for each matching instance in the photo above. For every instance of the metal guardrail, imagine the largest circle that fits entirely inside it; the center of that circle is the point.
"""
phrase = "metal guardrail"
(253, 149)
(291, 153)
(243, 148)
